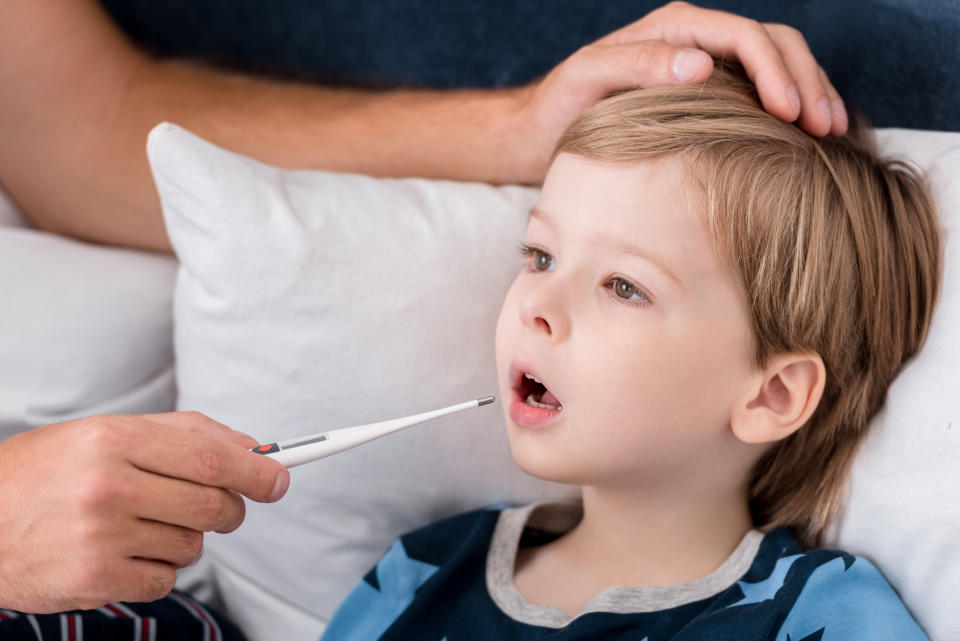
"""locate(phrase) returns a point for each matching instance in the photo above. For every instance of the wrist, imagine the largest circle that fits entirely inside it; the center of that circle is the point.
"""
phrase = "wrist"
(526, 144)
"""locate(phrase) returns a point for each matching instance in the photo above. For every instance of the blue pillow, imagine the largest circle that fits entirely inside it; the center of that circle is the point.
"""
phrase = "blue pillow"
(898, 61)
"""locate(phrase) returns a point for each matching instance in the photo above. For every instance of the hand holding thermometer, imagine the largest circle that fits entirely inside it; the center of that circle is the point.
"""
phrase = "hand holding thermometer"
(304, 449)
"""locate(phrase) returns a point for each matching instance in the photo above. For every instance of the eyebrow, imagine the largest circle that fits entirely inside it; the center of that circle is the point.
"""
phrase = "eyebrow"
(624, 246)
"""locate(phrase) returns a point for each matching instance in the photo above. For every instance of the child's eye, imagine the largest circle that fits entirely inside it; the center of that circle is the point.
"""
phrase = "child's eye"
(542, 261)
(628, 292)
(625, 291)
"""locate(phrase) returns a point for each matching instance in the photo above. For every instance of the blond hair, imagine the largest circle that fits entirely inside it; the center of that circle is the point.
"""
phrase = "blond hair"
(838, 251)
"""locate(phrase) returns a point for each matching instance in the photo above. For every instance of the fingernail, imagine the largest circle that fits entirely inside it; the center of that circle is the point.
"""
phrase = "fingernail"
(280, 488)
(794, 99)
(823, 106)
(687, 64)
(839, 113)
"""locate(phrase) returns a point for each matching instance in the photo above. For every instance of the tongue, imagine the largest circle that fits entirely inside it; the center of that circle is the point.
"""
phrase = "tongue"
(549, 399)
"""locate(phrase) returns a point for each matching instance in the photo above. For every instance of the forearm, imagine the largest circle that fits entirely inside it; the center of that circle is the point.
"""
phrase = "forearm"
(465, 135)
(75, 116)
(462, 134)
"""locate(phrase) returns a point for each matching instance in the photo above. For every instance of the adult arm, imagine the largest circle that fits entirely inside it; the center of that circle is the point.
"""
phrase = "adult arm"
(78, 100)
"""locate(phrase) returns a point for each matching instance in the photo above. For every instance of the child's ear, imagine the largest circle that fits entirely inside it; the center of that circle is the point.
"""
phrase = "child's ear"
(780, 398)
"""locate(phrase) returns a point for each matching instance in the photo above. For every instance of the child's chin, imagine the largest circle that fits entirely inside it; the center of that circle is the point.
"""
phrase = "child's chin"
(543, 466)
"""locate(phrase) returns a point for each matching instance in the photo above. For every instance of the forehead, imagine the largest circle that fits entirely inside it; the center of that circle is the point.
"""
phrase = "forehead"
(649, 203)
(649, 195)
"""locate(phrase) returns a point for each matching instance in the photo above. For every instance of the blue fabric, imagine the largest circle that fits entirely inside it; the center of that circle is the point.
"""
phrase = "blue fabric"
(787, 594)
(841, 602)
(767, 589)
(382, 596)
(898, 61)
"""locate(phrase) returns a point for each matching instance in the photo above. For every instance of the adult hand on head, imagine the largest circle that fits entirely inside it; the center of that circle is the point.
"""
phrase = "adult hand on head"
(106, 508)
(675, 45)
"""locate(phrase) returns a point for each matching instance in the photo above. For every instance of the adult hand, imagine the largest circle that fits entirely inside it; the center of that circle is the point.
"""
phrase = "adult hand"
(106, 508)
(673, 45)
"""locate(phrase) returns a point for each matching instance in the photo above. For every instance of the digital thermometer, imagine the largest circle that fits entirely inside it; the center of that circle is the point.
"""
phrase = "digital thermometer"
(297, 451)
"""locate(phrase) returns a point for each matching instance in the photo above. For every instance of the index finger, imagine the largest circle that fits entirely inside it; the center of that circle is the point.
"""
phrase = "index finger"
(207, 459)
(199, 422)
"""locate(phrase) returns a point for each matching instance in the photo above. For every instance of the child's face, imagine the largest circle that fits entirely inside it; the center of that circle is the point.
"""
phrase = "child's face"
(645, 366)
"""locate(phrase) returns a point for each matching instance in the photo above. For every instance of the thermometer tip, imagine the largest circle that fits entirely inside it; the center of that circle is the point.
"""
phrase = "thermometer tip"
(486, 400)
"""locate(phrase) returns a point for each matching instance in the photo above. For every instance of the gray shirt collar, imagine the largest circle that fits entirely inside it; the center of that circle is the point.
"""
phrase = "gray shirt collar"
(562, 517)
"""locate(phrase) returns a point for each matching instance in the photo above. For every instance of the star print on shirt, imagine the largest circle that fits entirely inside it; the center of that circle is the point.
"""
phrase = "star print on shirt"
(766, 589)
(384, 593)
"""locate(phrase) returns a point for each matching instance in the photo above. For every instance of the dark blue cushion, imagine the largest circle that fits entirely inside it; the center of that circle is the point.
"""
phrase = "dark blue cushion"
(898, 61)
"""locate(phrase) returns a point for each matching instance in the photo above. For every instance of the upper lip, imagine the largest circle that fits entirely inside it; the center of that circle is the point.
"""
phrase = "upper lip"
(517, 370)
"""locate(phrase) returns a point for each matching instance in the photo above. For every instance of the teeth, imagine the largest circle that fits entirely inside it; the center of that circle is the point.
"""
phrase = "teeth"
(532, 401)
(533, 377)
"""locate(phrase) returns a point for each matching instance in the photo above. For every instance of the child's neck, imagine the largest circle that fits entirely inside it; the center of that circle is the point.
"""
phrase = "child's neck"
(657, 541)
(630, 540)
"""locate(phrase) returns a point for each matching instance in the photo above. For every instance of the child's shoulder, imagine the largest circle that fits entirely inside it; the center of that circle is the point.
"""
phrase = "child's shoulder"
(462, 524)
(827, 591)
(437, 542)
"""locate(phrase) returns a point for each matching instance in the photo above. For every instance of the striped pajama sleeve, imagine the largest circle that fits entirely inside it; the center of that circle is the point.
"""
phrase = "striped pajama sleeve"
(177, 617)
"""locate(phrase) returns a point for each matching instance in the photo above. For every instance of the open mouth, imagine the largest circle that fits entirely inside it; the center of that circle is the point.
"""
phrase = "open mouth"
(535, 393)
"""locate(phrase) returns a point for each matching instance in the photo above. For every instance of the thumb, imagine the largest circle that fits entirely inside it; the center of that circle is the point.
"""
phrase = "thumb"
(598, 70)
(690, 65)
(644, 63)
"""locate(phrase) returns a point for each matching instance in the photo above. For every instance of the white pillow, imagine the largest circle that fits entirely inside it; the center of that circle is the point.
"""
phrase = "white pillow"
(10, 214)
(902, 509)
(311, 300)
(314, 300)
(83, 330)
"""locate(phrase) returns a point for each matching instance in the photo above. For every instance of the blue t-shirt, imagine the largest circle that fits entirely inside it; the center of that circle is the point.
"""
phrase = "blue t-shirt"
(453, 581)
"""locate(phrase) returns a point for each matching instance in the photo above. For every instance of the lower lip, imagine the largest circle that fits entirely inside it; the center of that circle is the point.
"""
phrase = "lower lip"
(528, 415)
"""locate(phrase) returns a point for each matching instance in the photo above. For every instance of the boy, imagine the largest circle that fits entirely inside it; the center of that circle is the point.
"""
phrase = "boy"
(712, 309)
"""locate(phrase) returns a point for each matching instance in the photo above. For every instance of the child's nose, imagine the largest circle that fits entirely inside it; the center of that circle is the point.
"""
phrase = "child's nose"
(544, 313)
